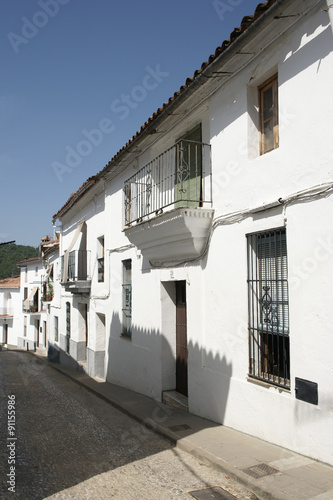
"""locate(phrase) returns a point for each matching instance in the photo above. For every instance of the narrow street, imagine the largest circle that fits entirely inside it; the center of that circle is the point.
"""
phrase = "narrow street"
(64, 442)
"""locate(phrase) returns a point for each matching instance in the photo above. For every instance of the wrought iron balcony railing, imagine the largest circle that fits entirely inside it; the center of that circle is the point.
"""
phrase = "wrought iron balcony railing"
(78, 266)
(178, 177)
(30, 306)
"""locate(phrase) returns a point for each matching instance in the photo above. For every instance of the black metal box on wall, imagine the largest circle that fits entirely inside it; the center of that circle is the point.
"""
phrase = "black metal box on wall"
(306, 391)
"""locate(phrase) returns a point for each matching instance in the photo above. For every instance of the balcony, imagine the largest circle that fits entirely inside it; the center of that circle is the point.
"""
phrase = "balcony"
(167, 204)
(30, 306)
(47, 290)
(76, 278)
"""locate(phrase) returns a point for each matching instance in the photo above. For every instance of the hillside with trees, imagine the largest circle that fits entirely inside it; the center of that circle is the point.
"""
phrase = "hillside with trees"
(10, 255)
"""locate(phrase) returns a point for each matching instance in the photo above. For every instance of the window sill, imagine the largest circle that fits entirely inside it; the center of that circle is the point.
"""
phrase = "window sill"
(267, 385)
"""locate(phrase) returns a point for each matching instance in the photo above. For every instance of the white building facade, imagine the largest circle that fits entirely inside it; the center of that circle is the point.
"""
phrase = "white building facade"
(10, 303)
(32, 331)
(199, 260)
(50, 290)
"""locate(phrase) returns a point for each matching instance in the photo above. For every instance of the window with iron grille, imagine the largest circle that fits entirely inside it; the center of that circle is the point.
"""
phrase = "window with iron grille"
(127, 298)
(68, 325)
(100, 259)
(268, 307)
(56, 328)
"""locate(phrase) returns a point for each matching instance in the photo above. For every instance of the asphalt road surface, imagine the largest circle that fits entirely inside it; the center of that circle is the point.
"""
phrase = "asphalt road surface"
(60, 441)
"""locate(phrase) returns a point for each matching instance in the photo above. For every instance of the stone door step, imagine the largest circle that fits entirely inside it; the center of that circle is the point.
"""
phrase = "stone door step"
(175, 399)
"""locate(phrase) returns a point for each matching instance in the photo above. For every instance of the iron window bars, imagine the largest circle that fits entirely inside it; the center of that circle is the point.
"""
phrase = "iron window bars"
(78, 266)
(68, 326)
(269, 357)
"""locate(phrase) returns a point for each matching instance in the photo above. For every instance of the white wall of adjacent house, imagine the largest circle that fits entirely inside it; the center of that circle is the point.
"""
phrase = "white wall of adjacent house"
(9, 305)
(219, 386)
(54, 310)
(97, 302)
(31, 323)
(217, 296)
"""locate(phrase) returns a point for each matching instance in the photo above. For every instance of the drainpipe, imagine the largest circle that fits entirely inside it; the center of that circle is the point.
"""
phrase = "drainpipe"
(330, 11)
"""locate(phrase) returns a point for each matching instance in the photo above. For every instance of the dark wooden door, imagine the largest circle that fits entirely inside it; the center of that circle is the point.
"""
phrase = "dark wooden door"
(6, 333)
(45, 334)
(37, 328)
(181, 338)
(85, 313)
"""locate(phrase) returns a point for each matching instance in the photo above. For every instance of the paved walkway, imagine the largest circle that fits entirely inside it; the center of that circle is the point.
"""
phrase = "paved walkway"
(267, 470)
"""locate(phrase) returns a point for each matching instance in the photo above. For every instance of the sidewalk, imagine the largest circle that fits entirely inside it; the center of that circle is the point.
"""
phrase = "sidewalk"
(267, 470)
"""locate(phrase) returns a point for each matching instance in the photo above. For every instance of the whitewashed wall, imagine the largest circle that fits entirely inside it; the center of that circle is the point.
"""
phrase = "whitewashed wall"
(219, 388)
(29, 280)
(217, 302)
(10, 303)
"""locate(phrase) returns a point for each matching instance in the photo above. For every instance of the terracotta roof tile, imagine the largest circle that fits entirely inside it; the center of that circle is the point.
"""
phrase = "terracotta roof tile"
(26, 261)
(13, 282)
(77, 194)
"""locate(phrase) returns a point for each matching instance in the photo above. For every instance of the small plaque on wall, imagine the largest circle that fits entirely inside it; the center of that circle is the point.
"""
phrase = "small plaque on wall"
(306, 391)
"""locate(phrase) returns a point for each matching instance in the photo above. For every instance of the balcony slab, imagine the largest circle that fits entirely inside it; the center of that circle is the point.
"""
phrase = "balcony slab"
(78, 286)
(174, 236)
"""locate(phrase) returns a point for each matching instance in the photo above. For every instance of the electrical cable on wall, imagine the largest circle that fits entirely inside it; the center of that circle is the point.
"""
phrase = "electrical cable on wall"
(232, 218)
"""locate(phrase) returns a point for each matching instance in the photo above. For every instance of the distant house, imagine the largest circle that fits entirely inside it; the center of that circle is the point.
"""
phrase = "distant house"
(51, 288)
(199, 260)
(9, 310)
(32, 329)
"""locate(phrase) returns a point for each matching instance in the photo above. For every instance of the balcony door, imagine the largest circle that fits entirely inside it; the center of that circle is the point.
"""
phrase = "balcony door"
(188, 174)
(45, 334)
(37, 332)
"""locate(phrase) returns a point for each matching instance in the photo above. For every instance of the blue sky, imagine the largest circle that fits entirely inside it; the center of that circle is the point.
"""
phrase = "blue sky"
(78, 79)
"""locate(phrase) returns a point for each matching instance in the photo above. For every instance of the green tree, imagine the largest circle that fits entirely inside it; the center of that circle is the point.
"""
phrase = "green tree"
(10, 255)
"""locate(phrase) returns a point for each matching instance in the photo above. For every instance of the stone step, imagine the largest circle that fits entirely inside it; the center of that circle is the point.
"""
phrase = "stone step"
(175, 399)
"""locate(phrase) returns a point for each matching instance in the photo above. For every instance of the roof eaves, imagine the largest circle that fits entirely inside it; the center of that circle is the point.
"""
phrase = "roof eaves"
(22, 263)
(13, 282)
(75, 197)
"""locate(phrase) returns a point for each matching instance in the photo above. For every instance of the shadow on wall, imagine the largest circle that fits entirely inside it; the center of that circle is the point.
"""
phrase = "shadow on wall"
(60, 357)
(146, 363)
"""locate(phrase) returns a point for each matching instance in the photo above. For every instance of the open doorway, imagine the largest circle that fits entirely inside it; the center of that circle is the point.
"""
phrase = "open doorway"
(181, 339)
(174, 344)
(5, 331)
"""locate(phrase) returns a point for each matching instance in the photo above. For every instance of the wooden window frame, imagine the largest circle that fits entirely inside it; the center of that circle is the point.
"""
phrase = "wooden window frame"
(272, 82)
